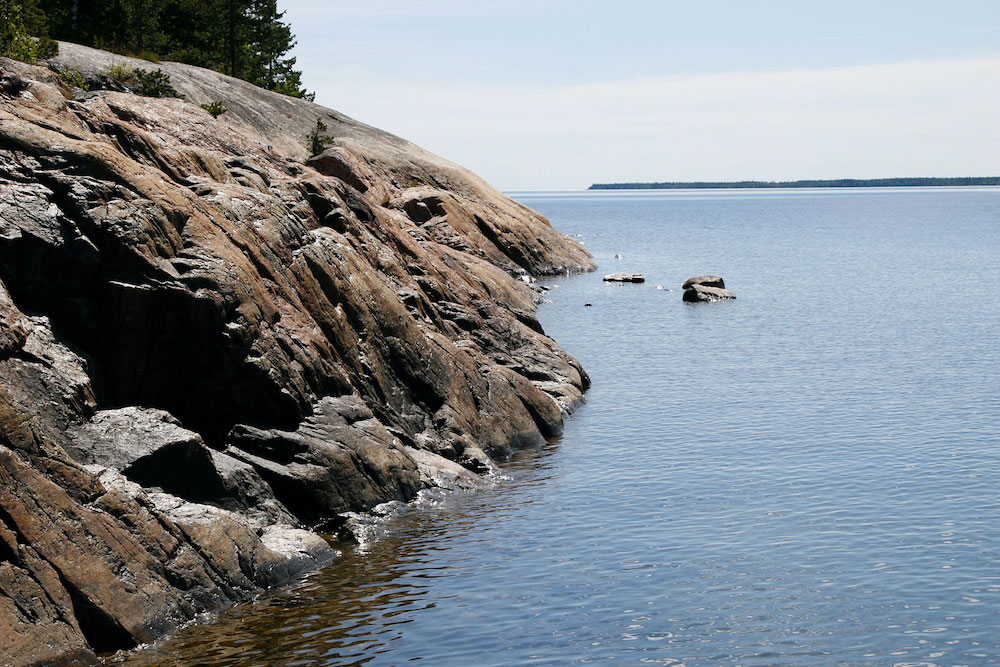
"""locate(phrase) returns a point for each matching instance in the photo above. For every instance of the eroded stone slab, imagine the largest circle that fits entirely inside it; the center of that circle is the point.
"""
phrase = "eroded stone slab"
(624, 277)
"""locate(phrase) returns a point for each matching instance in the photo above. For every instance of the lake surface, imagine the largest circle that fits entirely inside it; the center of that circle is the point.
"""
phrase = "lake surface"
(809, 474)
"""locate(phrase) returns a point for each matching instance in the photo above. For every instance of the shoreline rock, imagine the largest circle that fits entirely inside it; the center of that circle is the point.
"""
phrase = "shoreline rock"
(707, 281)
(211, 342)
(698, 293)
(624, 277)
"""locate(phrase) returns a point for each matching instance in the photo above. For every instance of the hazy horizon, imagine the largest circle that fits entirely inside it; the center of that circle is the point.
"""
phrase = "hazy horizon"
(559, 95)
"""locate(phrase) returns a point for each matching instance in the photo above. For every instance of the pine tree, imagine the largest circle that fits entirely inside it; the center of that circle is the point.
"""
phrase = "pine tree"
(15, 38)
(142, 26)
(35, 21)
(243, 38)
(194, 33)
(236, 20)
(270, 40)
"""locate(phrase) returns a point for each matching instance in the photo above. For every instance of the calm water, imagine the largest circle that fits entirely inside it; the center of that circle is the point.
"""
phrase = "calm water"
(807, 475)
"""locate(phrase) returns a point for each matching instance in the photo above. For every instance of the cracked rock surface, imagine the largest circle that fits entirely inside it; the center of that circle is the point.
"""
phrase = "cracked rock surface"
(212, 342)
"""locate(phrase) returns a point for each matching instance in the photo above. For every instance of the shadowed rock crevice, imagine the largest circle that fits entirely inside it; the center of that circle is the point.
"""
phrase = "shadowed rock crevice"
(150, 339)
(548, 425)
(102, 632)
(9, 539)
(512, 252)
(333, 163)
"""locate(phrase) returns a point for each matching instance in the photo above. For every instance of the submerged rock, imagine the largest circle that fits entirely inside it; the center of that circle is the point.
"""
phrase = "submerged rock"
(624, 277)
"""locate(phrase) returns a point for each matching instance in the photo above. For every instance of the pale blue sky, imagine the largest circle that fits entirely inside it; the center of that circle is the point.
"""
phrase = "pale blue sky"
(560, 93)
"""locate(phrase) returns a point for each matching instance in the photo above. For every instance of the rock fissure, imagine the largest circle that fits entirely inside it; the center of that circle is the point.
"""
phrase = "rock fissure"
(102, 632)
(9, 546)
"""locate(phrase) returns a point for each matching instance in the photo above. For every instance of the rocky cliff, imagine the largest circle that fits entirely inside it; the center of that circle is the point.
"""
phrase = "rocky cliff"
(212, 343)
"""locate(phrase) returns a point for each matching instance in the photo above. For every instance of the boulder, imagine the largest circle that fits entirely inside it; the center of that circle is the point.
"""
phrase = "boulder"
(11, 83)
(703, 293)
(437, 471)
(707, 281)
(624, 277)
(246, 491)
(151, 448)
(235, 546)
(339, 459)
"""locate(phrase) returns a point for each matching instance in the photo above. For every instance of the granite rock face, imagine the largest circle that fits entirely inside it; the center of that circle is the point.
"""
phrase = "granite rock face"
(211, 342)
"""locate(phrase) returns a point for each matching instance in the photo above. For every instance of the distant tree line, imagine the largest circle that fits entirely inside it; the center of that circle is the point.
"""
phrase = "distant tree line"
(242, 38)
(836, 183)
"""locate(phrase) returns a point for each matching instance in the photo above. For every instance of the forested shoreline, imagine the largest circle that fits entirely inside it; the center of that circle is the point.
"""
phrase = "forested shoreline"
(835, 183)
(246, 39)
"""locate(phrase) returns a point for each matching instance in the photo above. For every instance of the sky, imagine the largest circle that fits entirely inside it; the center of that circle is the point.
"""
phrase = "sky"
(559, 94)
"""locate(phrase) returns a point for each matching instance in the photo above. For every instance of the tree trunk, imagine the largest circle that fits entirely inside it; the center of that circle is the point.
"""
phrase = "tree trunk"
(232, 37)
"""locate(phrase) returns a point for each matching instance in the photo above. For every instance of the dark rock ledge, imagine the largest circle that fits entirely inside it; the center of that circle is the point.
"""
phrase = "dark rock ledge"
(211, 344)
(702, 289)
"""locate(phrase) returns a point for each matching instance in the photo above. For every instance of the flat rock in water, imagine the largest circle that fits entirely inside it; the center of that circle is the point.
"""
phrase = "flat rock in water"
(703, 293)
(624, 277)
(707, 281)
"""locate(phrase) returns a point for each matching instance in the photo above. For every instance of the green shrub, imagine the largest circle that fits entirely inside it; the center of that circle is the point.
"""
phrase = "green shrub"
(14, 39)
(73, 78)
(154, 83)
(215, 108)
(149, 83)
(20, 49)
(122, 73)
(317, 140)
(46, 47)
(293, 88)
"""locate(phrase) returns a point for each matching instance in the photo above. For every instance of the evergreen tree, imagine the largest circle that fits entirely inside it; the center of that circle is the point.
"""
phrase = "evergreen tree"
(194, 33)
(270, 40)
(317, 139)
(236, 19)
(95, 23)
(243, 38)
(35, 21)
(141, 33)
(20, 20)
(14, 39)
